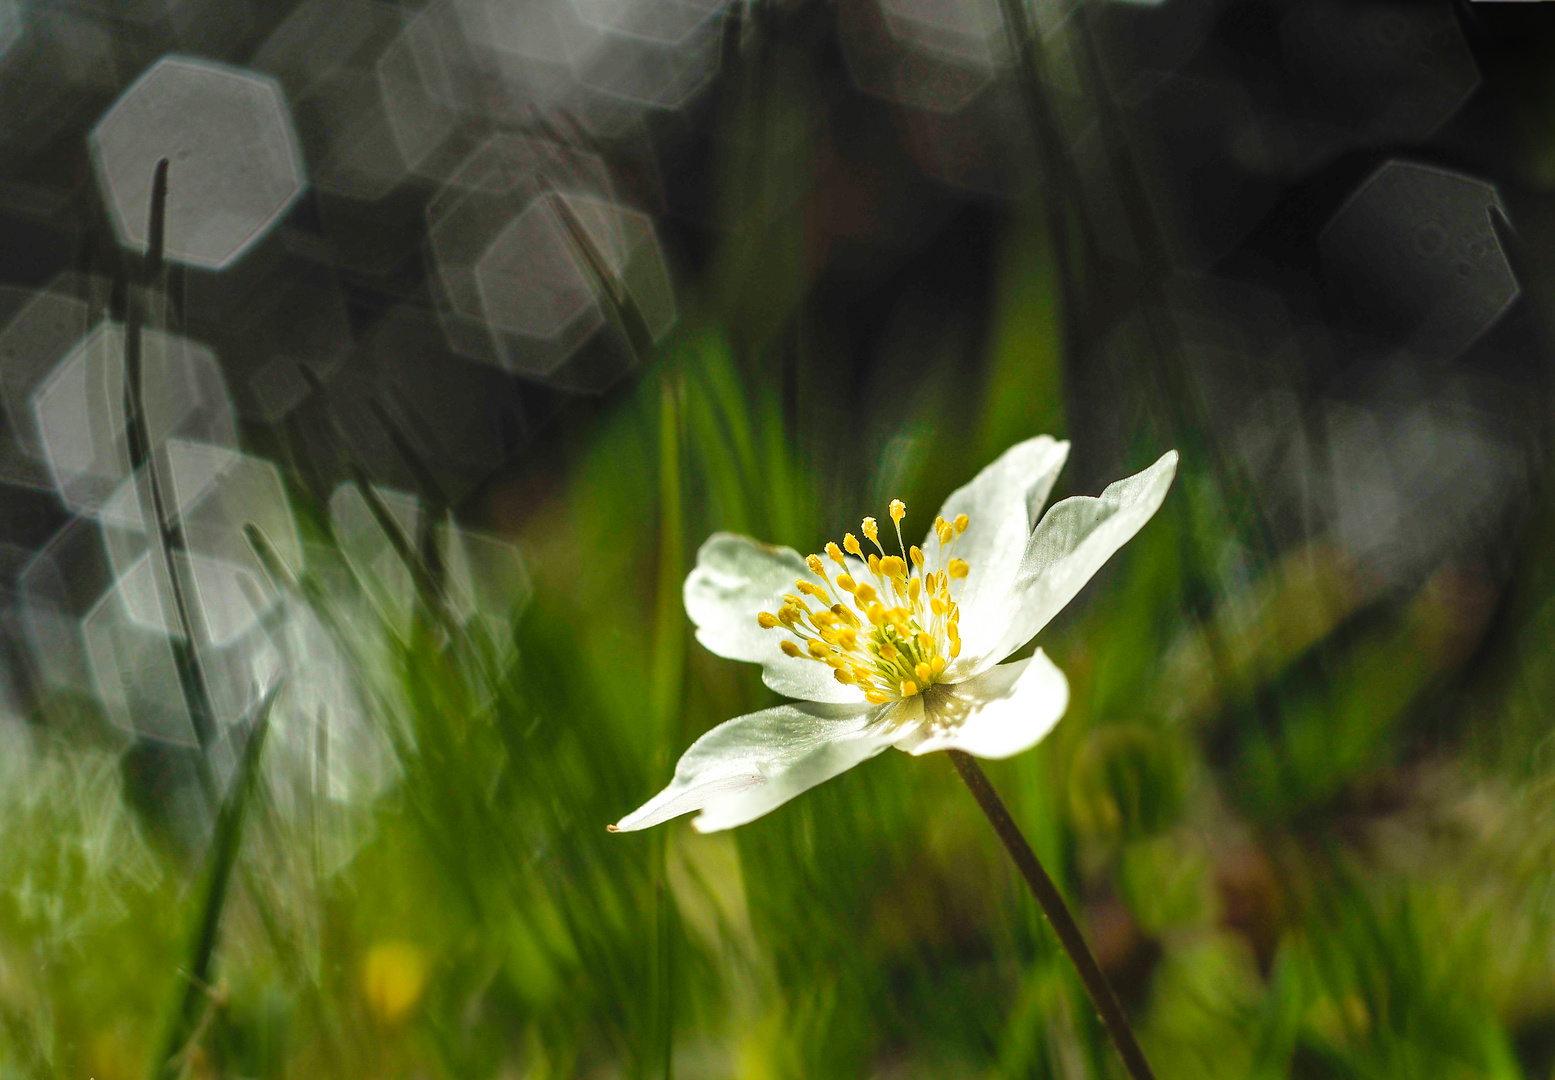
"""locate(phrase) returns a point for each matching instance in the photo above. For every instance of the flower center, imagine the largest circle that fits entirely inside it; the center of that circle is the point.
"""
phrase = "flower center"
(890, 636)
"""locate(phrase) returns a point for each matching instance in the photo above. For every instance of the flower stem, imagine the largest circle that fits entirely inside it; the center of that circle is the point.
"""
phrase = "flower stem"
(1063, 924)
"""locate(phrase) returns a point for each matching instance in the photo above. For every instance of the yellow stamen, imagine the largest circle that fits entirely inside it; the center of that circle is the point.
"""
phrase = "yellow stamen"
(909, 632)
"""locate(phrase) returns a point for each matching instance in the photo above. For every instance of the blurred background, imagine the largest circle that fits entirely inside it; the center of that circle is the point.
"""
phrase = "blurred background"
(349, 488)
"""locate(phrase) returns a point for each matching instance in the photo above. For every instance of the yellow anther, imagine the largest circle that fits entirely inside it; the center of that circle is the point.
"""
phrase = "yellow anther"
(823, 619)
(865, 594)
(874, 564)
(845, 583)
(834, 553)
(936, 605)
(914, 590)
(909, 688)
(809, 588)
(955, 648)
(871, 530)
(958, 568)
(850, 542)
(876, 615)
(786, 615)
(847, 637)
(898, 510)
(944, 531)
(888, 653)
(819, 649)
(925, 641)
(789, 648)
(875, 697)
(815, 564)
(922, 671)
(844, 676)
(961, 522)
(893, 567)
(937, 665)
(916, 554)
(766, 620)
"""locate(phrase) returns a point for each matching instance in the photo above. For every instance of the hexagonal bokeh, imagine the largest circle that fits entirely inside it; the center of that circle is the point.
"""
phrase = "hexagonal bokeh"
(514, 292)
(1414, 254)
(235, 166)
(212, 495)
(45, 328)
(363, 116)
(80, 416)
(536, 284)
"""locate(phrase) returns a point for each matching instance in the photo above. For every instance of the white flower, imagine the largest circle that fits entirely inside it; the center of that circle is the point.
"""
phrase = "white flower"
(901, 649)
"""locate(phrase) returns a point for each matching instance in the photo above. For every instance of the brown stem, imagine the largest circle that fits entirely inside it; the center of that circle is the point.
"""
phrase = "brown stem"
(1058, 916)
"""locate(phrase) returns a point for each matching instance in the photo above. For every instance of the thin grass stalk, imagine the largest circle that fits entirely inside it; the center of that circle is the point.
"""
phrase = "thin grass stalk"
(225, 845)
(1052, 903)
(164, 536)
(425, 581)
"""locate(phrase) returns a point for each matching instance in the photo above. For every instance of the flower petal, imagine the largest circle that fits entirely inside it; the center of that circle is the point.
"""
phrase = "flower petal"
(735, 579)
(752, 764)
(998, 714)
(1074, 539)
(1002, 503)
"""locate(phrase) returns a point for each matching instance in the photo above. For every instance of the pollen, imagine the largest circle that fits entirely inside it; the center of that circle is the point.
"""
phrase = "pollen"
(888, 623)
